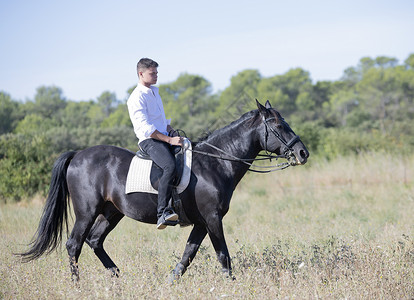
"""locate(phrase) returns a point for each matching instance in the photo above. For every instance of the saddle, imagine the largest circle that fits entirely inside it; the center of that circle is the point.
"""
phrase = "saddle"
(156, 171)
(144, 176)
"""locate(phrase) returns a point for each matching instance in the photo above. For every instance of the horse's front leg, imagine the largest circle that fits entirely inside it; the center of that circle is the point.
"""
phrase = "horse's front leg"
(216, 233)
(193, 243)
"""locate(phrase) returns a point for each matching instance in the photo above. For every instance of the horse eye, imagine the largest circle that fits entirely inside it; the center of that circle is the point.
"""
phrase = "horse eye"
(279, 126)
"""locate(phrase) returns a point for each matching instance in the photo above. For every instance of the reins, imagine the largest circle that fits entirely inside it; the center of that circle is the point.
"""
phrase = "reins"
(247, 161)
(268, 155)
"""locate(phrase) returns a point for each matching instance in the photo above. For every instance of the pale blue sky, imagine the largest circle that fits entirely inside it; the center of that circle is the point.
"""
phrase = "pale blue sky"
(87, 47)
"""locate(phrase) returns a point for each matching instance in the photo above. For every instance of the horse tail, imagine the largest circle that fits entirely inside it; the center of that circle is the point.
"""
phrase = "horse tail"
(49, 233)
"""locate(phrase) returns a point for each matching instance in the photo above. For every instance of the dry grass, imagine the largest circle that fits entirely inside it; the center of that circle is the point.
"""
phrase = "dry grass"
(340, 229)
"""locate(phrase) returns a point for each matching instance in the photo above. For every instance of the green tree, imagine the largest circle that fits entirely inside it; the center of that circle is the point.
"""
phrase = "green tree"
(96, 115)
(119, 117)
(351, 76)
(321, 92)
(385, 62)
(76, 114)
(186, 96)
(34, 123)
(48, 101)
(380, 94)
(107, 101)
(8, 113)
(341, 103)
(188, 102)
(290, 84)
(409, 62)
(25, 165)
(238, 98)
(131, 89)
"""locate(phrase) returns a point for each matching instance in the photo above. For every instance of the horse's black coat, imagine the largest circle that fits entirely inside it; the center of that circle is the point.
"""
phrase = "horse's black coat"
(95, 180)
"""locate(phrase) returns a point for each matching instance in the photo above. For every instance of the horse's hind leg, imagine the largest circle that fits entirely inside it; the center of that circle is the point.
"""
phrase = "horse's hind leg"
(103, 225)
(77, 237)
(87, 207)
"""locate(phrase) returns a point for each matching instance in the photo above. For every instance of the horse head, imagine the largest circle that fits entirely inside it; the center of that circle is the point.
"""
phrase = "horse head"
(277, 136)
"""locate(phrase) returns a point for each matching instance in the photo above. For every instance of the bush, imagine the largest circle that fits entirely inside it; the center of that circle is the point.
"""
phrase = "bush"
(26, 160)
(310, 135)
(25, 165)
(343, 142)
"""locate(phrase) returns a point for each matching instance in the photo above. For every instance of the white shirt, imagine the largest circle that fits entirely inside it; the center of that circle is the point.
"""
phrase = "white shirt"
(147, 112)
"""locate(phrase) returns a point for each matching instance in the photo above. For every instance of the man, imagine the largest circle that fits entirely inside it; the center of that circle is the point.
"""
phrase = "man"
(151, 128)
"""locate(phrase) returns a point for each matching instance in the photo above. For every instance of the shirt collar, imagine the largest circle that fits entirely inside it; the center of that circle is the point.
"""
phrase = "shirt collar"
(143, 88)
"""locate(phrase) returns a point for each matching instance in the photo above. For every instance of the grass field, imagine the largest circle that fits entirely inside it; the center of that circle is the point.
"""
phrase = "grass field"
(342, 229)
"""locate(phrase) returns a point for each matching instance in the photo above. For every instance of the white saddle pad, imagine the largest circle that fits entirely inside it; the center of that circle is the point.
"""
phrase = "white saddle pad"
(138, 178)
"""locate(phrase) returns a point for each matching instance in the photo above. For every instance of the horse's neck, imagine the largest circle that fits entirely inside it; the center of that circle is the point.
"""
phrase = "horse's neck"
(240, 144)
(239, 140)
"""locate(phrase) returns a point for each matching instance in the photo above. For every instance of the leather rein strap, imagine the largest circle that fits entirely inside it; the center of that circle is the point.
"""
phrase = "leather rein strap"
(249, 161)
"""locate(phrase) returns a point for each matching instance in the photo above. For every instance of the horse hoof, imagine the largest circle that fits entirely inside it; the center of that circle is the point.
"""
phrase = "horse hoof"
(75, 278)
(173, 278)
(114, 272)
(228, 274)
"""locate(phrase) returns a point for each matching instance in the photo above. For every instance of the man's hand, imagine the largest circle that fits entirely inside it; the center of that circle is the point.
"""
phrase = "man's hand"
(176, 141)
(172, 140)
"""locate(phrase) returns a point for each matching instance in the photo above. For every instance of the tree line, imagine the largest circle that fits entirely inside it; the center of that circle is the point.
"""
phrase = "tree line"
(369, 109)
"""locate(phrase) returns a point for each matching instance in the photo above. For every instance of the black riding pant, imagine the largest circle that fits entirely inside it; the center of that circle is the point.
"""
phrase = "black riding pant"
(161, 153)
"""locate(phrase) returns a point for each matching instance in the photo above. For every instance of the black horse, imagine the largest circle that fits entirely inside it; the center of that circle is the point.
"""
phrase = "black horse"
(95, 180)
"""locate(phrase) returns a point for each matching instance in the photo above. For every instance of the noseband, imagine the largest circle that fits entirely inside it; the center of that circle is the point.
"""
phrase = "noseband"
(289, 145)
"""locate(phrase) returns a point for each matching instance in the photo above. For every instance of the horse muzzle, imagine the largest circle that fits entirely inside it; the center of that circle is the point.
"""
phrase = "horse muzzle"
(296, 158)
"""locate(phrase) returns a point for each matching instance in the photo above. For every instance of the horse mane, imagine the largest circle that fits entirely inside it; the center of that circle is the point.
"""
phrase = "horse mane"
(249, 115)
(253, 118)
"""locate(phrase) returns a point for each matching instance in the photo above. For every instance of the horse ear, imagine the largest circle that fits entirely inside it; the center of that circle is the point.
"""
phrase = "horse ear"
(268, 105)
(260, 107)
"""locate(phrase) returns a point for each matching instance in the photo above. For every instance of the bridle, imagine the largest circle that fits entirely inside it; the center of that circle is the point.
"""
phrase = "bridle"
(288, 153)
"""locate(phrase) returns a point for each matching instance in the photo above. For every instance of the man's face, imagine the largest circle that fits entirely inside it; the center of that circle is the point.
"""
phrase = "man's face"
(149, 76)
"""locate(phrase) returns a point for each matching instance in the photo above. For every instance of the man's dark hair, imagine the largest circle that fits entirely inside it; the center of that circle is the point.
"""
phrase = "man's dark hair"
(146, 63)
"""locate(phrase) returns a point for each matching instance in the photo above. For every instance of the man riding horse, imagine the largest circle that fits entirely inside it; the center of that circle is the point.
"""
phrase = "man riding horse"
(151, 128)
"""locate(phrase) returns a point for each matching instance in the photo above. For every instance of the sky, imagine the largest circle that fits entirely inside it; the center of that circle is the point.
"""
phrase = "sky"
(86, 47)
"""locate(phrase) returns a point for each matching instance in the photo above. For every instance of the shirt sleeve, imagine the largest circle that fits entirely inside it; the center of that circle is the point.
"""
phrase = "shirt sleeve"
(139, 117)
